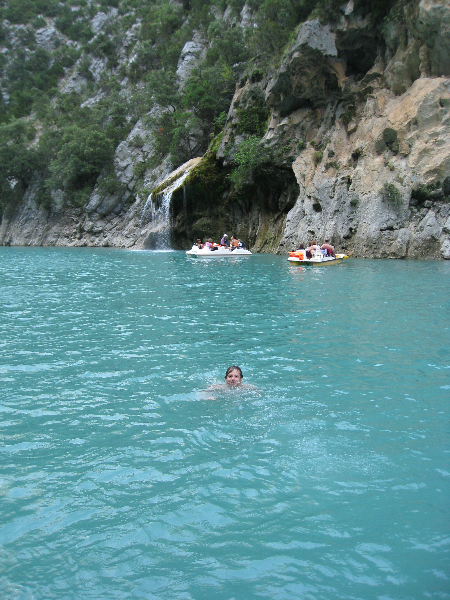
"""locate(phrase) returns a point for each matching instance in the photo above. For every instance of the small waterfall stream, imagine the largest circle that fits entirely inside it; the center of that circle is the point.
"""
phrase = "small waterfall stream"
(159, 233)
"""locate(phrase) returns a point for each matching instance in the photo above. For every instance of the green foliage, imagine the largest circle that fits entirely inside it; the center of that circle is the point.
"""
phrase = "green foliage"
(26, 74)
(380, 146)
(17, 162)
(67, 56)
(81, 156)
(249, 156)
(236, 5)
(220, 121)
(3, 34)
(332, 165)
(317, 157)
(27, 37)
(3, 111)
(162, 86)
(24, 11)
(106, 4)
(70, 146)
(391, 194)
(84, 68)
(104, 46)
(252, 118)
(185, 130)
(390, 138)
(208, 180)
(208, 92)
(39, 22)
(430, 192)
(276, 20)
(139, 169)
(380, 9)
(136, 142)
(74, 24)
(117, 126)
(146, 59)
(446, 186)
(179, 134)
(227, 45)
(162, 26)
(346, 117)
(159, 22)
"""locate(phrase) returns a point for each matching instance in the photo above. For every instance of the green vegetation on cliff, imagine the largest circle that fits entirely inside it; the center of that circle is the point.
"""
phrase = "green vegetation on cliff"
(77, 75)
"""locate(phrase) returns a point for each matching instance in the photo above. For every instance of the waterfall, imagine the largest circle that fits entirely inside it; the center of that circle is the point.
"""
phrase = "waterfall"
(160, 229)
(156, 213)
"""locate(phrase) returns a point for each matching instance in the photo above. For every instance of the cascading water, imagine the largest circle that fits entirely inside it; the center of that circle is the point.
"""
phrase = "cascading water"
(159, 234)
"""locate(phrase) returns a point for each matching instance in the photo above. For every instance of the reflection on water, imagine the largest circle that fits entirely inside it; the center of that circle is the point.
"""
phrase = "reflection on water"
(119, 480)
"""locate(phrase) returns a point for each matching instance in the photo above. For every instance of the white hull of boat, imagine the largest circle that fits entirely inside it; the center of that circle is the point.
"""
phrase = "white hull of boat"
(221, 252)
(319, 260)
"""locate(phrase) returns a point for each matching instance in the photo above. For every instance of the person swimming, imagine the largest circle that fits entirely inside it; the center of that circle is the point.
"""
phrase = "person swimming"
(234, 376)
(233, 380)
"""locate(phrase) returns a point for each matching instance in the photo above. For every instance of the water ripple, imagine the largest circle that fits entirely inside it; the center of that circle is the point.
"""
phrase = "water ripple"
(122, 477)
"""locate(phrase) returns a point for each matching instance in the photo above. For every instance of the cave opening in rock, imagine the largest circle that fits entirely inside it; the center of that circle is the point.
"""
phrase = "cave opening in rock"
(360, 59)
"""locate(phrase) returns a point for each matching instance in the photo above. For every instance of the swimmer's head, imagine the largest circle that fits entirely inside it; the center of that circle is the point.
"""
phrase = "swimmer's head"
(233, 376)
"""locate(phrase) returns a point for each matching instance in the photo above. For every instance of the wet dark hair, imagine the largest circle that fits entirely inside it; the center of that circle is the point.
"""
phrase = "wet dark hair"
(234, 368)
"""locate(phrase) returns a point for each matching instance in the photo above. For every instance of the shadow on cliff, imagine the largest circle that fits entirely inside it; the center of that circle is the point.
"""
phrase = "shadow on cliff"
(209, 205)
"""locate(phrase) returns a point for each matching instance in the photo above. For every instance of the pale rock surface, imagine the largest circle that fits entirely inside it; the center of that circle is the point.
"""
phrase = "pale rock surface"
(247, 17)
(101, 19)
(98, 67)
(318, 37)
(347, 205)
(75, 83)
(423, 50)
(191, 53)
(305, 71)
(92, 101)
(47, 38)
(105, 222)
(445, 250)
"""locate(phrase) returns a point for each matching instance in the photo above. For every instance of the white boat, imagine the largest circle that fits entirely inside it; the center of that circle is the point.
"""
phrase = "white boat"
(218, 252)
(320, 258)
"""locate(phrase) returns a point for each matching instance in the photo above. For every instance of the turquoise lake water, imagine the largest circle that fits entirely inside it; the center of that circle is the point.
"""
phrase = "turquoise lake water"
(121, 478)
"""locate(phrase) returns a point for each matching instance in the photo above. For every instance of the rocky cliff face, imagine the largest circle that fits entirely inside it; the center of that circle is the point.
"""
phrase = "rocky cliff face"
(380, 188)
(356, 148)
(368, 133)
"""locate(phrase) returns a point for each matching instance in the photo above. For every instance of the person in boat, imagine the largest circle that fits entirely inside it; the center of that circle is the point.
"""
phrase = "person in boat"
(224, 241)
(302, 250)
(329, 248)
(234, 243)
(199, 244)
(209, 244)
(311, 249)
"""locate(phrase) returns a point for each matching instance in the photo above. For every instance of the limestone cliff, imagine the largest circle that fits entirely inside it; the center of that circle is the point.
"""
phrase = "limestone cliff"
(354, 146)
